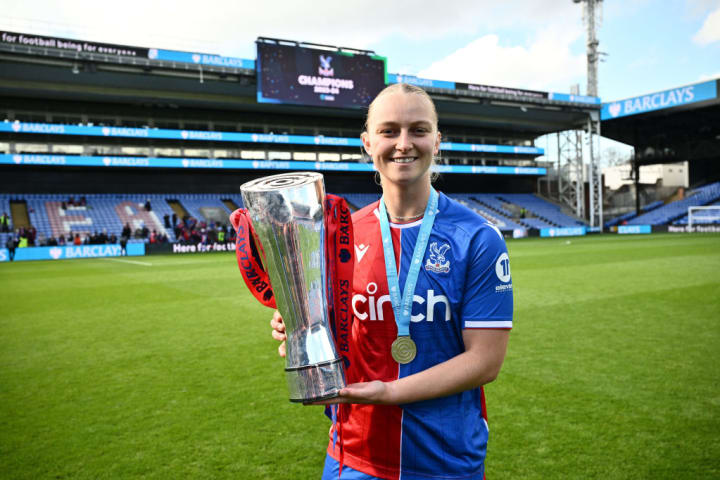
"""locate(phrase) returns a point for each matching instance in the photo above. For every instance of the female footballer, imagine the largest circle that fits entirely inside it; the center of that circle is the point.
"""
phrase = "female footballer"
(432, 304)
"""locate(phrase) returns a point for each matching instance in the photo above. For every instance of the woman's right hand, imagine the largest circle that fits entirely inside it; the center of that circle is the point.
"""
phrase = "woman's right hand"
(278, 331)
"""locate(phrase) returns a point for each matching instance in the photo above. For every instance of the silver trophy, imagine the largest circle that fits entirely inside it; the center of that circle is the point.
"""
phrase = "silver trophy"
(288, 214)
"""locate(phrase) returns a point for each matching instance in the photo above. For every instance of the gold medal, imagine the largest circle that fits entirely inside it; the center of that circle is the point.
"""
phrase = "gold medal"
(403, 349)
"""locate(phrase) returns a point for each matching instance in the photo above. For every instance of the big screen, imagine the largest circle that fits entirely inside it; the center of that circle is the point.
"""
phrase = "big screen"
(309, 76)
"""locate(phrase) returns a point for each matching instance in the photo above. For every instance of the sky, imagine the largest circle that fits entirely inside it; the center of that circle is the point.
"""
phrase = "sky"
(648, 45)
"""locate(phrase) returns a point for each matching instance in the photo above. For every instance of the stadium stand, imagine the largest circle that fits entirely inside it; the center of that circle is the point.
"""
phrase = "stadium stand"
(630, 215)
(52, 215)
(357, 201)
(505, 211)
(494, 217)
(675, 211)
(700, 219)
(547, 214)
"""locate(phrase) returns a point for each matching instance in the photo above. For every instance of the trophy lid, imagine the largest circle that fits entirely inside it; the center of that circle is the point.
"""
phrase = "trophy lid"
(281, 181)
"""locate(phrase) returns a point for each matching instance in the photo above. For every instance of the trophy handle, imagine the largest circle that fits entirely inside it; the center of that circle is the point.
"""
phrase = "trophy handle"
(249, 258)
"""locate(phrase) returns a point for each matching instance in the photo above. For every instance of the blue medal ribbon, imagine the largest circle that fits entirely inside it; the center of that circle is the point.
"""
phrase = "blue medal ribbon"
(402, 307)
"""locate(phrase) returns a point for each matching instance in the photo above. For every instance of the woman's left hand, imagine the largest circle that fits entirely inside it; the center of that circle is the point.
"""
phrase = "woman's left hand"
(479, 364)
(375, 392)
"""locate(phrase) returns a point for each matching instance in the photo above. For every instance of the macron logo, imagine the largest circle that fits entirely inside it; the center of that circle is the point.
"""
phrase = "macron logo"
(360, 251)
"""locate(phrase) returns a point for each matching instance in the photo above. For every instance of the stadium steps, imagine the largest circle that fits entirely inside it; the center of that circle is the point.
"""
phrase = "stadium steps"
(564, 209)
(19, 214)
(177, 208)
(483, 213)
(488, 206)
(504, 214)
(626, 217)
(497, 219)
(530, 215)
(229, 203)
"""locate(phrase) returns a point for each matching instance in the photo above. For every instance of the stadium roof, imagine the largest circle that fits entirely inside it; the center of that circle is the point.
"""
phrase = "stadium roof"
(669, 126)
(55, 68)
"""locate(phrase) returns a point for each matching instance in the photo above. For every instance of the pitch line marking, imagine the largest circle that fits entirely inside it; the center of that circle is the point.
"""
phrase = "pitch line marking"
(134, 262)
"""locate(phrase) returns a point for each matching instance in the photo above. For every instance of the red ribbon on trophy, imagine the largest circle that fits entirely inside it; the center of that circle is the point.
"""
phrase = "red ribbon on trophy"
(248, 252)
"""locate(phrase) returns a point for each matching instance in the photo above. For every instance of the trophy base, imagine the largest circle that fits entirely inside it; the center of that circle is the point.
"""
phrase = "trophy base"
(313, 383)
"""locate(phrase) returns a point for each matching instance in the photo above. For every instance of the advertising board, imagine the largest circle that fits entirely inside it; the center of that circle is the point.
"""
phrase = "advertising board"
(674, 97)
(634, 229)
(236, 164)
(563, 231)
(78, 46)
(69, 252)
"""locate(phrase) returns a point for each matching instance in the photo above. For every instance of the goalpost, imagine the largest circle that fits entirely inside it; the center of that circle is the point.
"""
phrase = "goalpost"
(707, 214)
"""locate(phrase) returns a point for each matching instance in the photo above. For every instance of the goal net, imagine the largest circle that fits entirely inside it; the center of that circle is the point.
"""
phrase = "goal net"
(703, 215)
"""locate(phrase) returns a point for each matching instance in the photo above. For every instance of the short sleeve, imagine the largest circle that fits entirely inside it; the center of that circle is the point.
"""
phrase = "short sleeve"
(488, 297)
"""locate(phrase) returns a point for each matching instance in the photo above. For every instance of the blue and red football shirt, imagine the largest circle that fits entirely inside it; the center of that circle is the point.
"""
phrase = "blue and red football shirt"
(464, 282)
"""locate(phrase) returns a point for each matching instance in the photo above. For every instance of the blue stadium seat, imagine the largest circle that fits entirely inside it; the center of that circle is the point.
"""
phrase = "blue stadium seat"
(676, 212)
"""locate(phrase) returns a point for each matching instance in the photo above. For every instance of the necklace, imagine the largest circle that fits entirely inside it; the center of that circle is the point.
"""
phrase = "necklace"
(405, 219)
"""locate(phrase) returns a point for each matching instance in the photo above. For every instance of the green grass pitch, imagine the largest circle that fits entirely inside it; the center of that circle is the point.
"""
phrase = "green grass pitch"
(164, 368)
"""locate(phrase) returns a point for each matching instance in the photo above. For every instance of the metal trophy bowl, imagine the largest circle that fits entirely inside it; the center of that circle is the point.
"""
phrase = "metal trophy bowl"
(287, 212)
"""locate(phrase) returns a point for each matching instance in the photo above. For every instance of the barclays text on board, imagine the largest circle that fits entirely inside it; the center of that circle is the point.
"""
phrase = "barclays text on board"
(200, 59)
(233, 164)
(563, 232)
(656, 101)
(634, 229)
(239, 137)
(70, 252)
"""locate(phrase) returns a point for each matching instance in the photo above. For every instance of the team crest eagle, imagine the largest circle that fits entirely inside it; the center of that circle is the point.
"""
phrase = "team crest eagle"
(325, 68)
(437, 262)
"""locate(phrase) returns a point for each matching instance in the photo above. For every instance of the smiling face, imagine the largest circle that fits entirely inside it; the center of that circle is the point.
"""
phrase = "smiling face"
(402, 137)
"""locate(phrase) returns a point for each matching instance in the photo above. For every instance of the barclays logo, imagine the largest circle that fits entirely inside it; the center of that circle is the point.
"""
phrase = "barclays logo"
(325, 69)
(615, 109)
(56, 253)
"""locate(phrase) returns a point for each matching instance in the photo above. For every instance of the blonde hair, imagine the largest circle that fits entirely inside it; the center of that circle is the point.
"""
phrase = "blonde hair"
(402, 88)
(409, 89)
